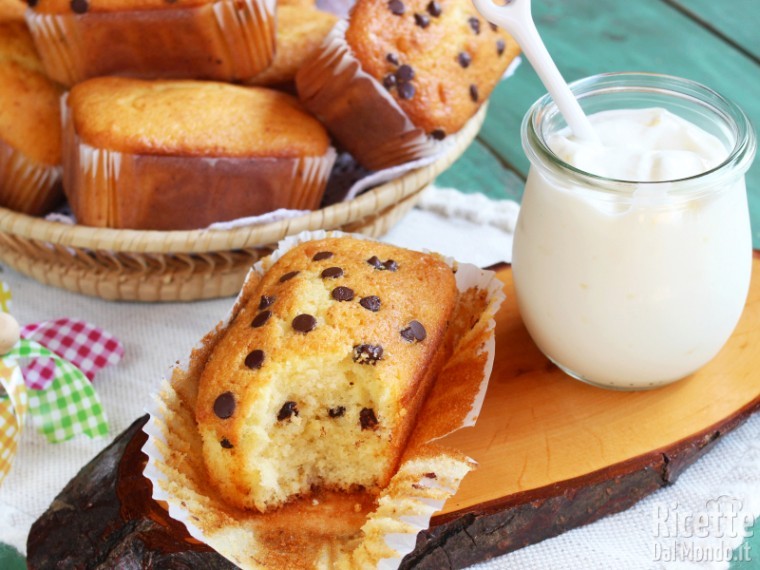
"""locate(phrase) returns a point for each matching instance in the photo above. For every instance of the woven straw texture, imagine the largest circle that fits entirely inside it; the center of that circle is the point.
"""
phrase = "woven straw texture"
(134, 265)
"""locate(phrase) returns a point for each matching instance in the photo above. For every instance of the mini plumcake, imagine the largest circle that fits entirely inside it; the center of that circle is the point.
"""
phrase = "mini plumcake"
(318, 381)
(226, 40)
(12, 10)
(300, 31)
(30, 126)
(400, 75)
(170, 155)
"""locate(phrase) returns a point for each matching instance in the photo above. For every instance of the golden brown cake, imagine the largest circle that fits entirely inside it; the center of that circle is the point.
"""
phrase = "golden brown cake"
(403, 74)
(228, 40)
(300, 31)
(317, 382)
(12, 10)
(30, 126)
(183, 154)
(297, 3)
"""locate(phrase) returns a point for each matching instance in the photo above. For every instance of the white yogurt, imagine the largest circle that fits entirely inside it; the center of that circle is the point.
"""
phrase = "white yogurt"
(639, 287)
(647, 145)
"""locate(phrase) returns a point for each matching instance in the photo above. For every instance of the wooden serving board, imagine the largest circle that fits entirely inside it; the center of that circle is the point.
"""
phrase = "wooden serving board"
(554, 454)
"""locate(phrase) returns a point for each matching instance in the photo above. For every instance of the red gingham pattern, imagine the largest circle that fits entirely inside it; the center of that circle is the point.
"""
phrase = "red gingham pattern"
(87, 347)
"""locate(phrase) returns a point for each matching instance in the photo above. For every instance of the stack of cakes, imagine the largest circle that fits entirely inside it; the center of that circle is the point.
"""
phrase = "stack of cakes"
(181, 114)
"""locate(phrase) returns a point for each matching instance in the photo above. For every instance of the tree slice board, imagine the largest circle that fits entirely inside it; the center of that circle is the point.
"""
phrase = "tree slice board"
(553, 454)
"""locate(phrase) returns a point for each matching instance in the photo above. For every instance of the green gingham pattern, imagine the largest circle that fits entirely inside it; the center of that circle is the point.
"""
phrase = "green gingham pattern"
(69, 406)
(5, 297)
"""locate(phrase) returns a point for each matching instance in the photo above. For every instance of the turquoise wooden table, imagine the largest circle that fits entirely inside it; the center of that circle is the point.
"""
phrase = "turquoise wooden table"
(714, 43)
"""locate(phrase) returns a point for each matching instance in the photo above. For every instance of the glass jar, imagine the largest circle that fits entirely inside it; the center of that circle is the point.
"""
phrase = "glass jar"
(625, 284)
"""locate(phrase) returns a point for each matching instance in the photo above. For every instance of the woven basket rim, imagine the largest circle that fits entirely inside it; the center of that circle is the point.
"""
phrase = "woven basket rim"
(205, 240)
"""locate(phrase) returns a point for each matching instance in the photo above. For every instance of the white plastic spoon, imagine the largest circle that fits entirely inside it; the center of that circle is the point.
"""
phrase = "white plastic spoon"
(515, 17)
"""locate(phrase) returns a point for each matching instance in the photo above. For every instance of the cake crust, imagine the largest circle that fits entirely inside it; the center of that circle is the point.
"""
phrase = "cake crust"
(193, 118)
(300, 31)
(12, 9)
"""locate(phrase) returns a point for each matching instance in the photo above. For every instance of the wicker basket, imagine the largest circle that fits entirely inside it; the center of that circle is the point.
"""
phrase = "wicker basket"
(199, 264)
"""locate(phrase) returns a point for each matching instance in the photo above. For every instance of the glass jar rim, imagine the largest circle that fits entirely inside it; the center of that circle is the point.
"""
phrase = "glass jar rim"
(739, 157)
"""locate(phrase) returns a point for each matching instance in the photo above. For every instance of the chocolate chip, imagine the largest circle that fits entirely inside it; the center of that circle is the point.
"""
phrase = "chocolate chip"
(464, 59)
(304, 323)
(367, 419)
(288, 409)
(396, 7)
(404, 74)
(474, 93)
(266, 302)
(371, 303)
(343, 294)
(414, 332)
(389, 265)
(391, 58)
(322, 255)
(421, 20)
(261, 319)
(288, 276)
(367, 353)
(79, 6)
(494, 27)
(430, 475)
(474, 24)
(406, 91)
(255, 359)
(224, 405)
(389, 81)
(225, 443)
(438, 134)
(32, 3)
(332, 273)
(434, 8)
(337, 412)
(500, 46)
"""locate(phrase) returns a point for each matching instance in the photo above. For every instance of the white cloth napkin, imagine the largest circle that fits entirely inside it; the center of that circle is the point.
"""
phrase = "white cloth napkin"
(470, 228)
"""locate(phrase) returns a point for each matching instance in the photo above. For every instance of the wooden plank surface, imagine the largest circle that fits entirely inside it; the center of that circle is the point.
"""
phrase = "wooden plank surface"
(594, 36)
(480, 170)
(736, 21)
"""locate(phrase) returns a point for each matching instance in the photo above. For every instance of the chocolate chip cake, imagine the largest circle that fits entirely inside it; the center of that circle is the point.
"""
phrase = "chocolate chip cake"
(318, 381)
(172, 155)
(403, 74)
(30, 126)
(227, 40)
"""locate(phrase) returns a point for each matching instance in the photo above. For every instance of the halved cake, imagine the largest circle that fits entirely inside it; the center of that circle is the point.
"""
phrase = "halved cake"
(318, 381)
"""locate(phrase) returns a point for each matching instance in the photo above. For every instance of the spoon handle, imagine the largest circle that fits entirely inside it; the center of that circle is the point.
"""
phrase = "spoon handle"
(515, 17)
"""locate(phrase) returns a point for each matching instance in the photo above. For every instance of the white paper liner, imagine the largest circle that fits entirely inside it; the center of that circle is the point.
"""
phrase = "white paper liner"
(427, 475)
(26, 186)
(389, 137)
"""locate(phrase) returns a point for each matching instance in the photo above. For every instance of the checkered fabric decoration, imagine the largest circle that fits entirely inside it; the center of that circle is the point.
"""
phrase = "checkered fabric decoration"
(69, 406)
(5, 297)
(13, 407)
(87, 347)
